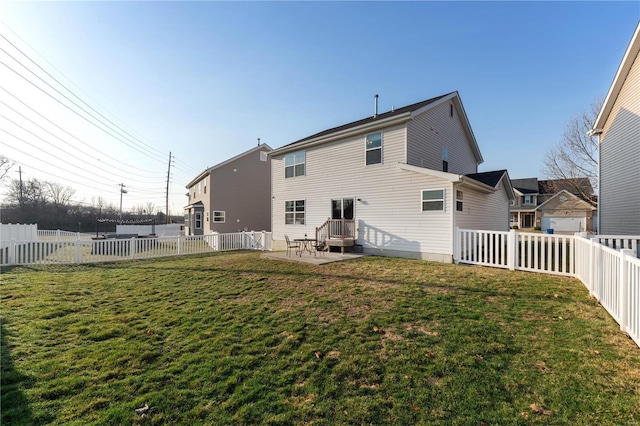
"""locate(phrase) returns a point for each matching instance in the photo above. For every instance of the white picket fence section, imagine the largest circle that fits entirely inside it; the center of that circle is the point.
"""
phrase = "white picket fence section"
(58, 235)
(17, 231)
(68, 250)
(607, 265)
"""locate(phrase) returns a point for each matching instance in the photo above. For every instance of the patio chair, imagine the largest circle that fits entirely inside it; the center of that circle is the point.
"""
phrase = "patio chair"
(290, 245)
(321, 246)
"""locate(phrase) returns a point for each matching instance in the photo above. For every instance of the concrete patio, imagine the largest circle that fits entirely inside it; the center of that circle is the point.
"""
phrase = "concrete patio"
(306, 257)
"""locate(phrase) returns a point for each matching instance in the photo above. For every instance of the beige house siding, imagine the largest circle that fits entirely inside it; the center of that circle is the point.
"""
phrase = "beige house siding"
(571, 207)
(619, 190)
(198, 193)
(388, 216)
(483, 211)
(434, 129)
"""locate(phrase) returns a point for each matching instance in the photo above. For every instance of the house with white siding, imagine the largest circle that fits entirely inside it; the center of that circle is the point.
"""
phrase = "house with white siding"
(618, 130)
(395, 184)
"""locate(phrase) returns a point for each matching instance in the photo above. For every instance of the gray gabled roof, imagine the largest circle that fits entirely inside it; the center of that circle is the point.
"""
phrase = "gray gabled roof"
(488, 178)
(379, 117)
(385, 119)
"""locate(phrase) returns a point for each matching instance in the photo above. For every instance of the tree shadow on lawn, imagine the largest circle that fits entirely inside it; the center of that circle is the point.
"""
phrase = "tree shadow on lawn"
(15, 408)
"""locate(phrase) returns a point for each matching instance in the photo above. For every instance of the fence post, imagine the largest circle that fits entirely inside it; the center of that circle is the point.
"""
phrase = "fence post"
(243, 240)
(264, 240)
(12, 250)
(512, 247)
(179, 245)
(78, 252)
(58, 234)
(592, 266)
(132, 247)
(624, 288)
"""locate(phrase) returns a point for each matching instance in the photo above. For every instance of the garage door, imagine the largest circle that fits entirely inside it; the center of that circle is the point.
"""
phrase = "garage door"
(564, 223)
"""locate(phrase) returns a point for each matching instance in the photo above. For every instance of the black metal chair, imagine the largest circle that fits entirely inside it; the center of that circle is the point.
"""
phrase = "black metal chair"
(290, 245)
(321, 246)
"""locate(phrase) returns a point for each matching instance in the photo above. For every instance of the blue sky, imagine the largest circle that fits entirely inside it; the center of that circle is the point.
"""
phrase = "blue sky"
(204, 80)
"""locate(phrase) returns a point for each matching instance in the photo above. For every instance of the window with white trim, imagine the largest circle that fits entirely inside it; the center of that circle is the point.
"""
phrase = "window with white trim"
(433, 200)
(198, 224)
(294, 164)
(373, 148)
(294, 212)
(459, 196)
(527, 199)
(218, 216)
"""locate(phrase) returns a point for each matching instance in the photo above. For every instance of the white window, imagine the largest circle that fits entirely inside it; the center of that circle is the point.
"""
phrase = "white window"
(527, 199)
(198, 220)
(294, 164)
(218, 216)
(459, 200)
(373, 148)
(294, 212)
(433, 200)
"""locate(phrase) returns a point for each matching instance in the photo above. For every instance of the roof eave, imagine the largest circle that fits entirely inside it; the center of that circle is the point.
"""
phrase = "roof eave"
(618, 81)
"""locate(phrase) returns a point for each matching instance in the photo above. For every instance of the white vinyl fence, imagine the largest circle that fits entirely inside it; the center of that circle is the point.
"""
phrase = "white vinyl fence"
(17, 231)
(607, 265)
(67, 250)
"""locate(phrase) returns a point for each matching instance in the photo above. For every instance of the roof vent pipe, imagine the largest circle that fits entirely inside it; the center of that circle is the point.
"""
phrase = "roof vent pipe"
(258, 141)
(375, 105)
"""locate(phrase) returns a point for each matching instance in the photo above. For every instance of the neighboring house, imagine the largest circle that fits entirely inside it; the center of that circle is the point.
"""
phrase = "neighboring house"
(618, 130)
(556, 204)
(232, 196)
(397, 183)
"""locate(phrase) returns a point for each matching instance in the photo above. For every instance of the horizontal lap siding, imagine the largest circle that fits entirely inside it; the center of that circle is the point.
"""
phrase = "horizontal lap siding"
(425, 145)
(620, 159)
(484, 211)
(389, 215)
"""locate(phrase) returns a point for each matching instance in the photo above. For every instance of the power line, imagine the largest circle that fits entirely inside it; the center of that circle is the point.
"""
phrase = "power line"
(80, 99)
(58, 148)
(117, 137)
(70, 134)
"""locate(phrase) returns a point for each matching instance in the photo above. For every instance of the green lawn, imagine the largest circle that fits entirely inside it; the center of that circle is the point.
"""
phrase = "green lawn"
(231, 338)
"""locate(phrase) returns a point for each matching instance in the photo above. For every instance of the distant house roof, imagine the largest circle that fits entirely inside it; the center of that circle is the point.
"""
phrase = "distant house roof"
(618, 81)
(387, 118)
(574, 186)
(488, 178)
(526, 186)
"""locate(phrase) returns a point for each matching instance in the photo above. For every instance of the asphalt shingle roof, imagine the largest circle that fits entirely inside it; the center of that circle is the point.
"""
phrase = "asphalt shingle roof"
(488, 178)
(397, 111)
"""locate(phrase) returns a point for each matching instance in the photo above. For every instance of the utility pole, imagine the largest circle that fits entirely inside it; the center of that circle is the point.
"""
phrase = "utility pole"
(122, 191)
(20, 190)
(167, 197)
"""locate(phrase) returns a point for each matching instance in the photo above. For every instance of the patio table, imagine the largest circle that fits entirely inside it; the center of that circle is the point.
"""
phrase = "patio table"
(306, 244)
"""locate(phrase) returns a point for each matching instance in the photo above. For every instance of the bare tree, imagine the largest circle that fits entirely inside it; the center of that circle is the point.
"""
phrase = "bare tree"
(5, 166)
(30, 194)
(575, 157)
(151, 208)
(59, 195)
